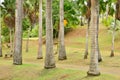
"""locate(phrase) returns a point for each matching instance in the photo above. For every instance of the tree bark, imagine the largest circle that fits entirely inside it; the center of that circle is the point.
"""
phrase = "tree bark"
(40, 32)
(27, 42)
(62, 51)
(113, 40)
(87, 39)
(0, 35)
(93, 70)
(11, 41)
(49, 59)
(17, 56)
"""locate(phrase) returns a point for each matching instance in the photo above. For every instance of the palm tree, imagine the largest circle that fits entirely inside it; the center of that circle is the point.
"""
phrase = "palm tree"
(88, 16)
(17, 56)
(117, 17)
(88, 13)
(0, 35)
(40, 31)
(62, 52)
(93, 70)
(49, 59)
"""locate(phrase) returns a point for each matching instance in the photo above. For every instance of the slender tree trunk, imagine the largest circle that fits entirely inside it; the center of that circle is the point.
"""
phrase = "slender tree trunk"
(49, 59)
(87, 39)
(93, 70)
(17, 57)
(11, 41)
(97, 40)
(28, 37)
(107, 11)
(40, 31)
(113, 40)
(0, 35)
(62, 51)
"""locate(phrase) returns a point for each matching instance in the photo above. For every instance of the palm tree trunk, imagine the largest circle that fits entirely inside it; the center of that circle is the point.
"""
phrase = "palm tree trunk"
(17, 56)
(40, 32)
(113, 40)
(87, 38)
(11, 41)
(62, 51)
(49, 59)
(93, 70)
(0, 35)
(27, 42)
(97, 40)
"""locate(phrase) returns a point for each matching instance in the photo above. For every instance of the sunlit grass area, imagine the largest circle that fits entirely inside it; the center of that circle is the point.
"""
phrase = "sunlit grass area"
(74, 68)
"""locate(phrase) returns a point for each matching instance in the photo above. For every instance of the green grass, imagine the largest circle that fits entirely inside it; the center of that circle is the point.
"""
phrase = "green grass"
(74, 68)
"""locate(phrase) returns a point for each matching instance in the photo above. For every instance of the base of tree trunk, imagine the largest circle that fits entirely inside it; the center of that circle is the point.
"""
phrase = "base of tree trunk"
(62, 58)
(112, 54)
(1, 55)
(49, 67)
(99, 59)
(86, 55)
(17, 63)
(93, 74)
(39, 57)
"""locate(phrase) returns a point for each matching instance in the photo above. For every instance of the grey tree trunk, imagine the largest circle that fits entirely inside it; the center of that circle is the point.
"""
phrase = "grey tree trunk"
(113, 40)
(0, 35)
(99, 54)
(28, 38)
(93, 70)
(11, 41)
(87, 39)
(17, 56)
(62, 51)
(49, 58)
(40, 32)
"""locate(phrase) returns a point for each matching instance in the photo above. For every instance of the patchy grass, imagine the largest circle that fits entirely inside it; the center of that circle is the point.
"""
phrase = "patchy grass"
(74, 68)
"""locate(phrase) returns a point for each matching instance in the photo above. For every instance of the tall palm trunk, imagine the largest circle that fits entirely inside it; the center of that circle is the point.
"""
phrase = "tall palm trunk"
(27, 42)
(62, 51)
(11, 41)
(49, 59)
(0, 35)
(87, 39)
(17, 57)
(99, 54)
(40, 31)
(93, 70)
(113, 40)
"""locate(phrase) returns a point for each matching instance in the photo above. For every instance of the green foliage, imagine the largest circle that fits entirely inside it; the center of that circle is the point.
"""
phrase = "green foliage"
(5, 34)
(107, 22)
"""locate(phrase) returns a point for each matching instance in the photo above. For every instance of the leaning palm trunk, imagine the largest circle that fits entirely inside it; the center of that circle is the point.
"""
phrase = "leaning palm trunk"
(113, 40)
(0, 35)
(40, 31)
(87, 39)
(62, 52)
(49, 58)
(93, 70)
(17, 56)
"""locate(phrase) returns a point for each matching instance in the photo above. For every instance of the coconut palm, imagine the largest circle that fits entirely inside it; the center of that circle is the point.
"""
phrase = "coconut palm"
(117, 17)
(17, 56)
(93, 70)
(49, 59)
(40, 31)
(62, 52)
(88, 13)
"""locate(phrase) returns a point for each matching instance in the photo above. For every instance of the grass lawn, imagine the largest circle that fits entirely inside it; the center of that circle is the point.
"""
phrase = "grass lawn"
(74, 68)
